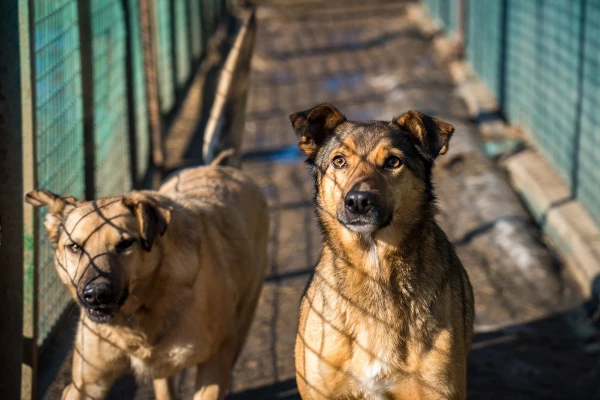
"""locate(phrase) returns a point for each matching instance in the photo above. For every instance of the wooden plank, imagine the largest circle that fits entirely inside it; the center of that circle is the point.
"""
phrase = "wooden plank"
(11, 197)
(225, 126)
(30, 228)
(149, 46)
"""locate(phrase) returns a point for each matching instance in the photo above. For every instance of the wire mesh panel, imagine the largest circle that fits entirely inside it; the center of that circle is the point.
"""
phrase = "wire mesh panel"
(110, 98)
(549, 110)
(141, 115)
(520, 62)
(541, 60)
(444, 12)
(484, 41)
(588, 161)
(182, 47)
(101, 56)
(59, 134)
(196, 28)
(166, 86)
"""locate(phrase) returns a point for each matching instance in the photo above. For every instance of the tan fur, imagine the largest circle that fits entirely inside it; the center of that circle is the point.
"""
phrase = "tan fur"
(389, 312)
(193, 276)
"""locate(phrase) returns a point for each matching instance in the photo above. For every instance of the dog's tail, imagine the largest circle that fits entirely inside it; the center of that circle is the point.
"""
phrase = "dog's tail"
(222, 156)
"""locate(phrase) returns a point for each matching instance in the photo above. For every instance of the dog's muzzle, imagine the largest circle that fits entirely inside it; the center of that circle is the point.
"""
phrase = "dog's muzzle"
(362, 212)
(101, 301)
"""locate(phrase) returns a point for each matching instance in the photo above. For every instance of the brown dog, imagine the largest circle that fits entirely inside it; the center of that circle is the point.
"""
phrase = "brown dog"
(166, 280)
(389, 311)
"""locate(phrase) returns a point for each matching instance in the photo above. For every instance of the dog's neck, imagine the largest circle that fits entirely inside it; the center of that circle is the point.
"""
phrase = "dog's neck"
(145, 304)
(390, 259)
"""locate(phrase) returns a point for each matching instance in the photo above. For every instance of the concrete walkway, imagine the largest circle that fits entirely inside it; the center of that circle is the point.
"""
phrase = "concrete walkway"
(372, 62)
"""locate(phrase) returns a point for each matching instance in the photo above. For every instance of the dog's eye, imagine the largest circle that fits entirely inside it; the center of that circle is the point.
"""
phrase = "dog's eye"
(392, 162)
(338, 161)
(74, 248)
(124, 245)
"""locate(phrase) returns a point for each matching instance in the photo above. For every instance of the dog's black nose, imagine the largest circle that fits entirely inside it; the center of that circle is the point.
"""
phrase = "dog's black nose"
(97, 294)
(359, 202)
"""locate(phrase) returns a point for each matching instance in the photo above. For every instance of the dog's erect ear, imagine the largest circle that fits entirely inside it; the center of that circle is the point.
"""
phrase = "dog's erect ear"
(153, 216)
(429, 134)
(58, 208)
(314, 126)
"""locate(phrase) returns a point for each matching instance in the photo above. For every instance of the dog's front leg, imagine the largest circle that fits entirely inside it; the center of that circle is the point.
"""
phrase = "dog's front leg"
(212, 376)
(97, 363)
(164, 389)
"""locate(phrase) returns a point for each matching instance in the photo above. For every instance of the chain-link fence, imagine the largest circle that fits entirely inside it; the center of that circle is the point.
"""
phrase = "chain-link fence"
(541, 59)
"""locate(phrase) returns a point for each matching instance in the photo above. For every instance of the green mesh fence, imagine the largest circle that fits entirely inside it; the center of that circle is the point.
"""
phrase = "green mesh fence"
(117, 66)
(197, 38)
(141, 115)
(444, 12)
(541, 59)
(166, 84)
(59, 134)
(182, 46)
(588, 134)
(483, 39)
(550, 113)
(110, 98)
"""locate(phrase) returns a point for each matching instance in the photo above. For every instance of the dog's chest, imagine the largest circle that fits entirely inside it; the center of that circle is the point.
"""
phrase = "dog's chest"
(162, 361)
(162, 354)
(373, 361)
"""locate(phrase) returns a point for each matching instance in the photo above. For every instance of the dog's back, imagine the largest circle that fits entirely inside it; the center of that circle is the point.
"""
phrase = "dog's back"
(228, 203)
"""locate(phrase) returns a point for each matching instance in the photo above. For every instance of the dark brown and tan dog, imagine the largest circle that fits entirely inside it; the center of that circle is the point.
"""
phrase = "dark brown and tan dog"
(389, 311)
(166, 280)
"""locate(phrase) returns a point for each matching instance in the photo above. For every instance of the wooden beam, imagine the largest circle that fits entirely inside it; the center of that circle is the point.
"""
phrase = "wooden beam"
(15, 113)
(149, 49)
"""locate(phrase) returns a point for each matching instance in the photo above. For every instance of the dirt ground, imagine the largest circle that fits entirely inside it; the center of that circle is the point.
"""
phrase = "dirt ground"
(533, 339)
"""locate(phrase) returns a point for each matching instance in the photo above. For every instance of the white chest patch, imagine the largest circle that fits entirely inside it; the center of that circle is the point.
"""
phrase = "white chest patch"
(374, 370)
(373, 376)
(372, 256)
(373, 381)
(163, 361)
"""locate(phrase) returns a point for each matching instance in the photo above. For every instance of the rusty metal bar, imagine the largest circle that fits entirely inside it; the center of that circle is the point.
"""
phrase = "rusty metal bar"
(149, 48)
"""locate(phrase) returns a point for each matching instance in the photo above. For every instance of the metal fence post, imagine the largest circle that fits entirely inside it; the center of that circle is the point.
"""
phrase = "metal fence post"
(132, 126)
(147, 27)
(17, 337)
(84, 21)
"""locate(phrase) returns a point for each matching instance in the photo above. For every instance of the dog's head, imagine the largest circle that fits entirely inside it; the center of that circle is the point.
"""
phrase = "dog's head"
(103, 246)
(370, 174)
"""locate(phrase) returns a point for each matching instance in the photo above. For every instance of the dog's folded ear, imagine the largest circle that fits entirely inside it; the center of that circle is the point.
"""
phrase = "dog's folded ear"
(58, 208)
(152, 214)
(314, 126)
(430, 135)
